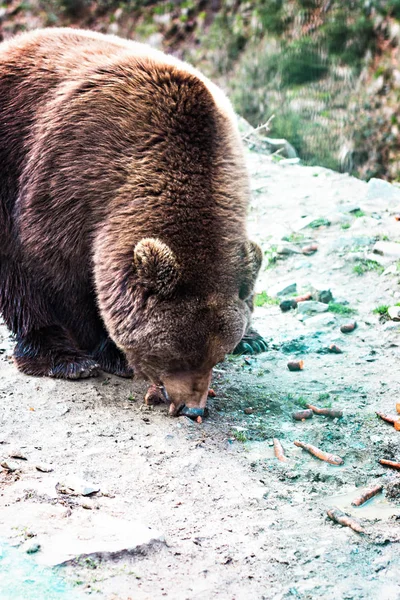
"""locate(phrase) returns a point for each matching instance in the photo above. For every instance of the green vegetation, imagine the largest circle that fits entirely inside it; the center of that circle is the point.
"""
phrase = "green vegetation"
(341, 309)
(240, 436)
(263, 299)
(345, 226)
(365, 264)
(294, 238)
(319, 223)
(382, 310)
(359, 213)
(270, 256)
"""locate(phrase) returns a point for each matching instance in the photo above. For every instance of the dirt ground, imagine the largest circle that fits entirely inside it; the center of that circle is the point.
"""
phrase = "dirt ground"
(234, 522)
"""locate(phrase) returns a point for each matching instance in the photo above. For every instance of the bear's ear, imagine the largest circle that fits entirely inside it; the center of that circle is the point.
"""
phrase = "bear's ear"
(156, 266)
(252, 259)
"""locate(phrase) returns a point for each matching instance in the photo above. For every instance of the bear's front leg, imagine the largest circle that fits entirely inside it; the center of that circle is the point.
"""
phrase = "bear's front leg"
(111, 360)
(51, 352)
(251, 343)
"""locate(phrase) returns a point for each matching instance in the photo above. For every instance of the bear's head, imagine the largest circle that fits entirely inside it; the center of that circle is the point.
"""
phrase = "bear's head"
(178, 327)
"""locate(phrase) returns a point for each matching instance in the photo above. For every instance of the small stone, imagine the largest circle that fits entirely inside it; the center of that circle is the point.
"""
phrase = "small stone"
(248, 411)
(309, 250)
(10, 465)
(311, 306)
(378, 189)
(44, 468)
(394, 313)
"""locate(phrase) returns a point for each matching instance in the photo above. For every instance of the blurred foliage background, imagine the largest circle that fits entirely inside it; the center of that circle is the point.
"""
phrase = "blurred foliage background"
(327, 70)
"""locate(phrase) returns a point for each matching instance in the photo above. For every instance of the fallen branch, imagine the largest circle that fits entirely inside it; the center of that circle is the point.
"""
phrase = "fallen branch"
(340, 517)
(259, 128)
(367, 495)
(326, 456)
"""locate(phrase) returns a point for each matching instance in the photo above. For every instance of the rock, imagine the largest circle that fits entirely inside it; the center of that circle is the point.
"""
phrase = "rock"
(286, 290)
(317, 321)
(287, 250)
(98, 536)
(311, 306)
(10, 465)
(322, 295)
(44, 468)
(348, 327)
(248, 411)
(286, 305)
(75, 486)
(378, 189)
(17, 453)
(30, 546)
(394, 313)
(352, 242)
(390, 249)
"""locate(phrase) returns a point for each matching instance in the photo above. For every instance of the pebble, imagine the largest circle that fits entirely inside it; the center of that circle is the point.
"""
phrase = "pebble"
(324, 296)
(248, 411)
(44, 468)
(311, 306)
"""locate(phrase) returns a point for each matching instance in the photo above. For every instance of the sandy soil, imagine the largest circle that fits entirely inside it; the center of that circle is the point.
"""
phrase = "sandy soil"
(238, 524)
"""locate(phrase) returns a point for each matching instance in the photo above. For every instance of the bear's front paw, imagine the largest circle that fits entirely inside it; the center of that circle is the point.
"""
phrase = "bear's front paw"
(251, 343)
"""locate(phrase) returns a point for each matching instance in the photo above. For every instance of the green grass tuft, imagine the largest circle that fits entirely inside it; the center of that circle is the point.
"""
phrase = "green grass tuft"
(365, 265)
(341, 309)
(381, 310)
(263, 300)
(359, 213)
(345, 226)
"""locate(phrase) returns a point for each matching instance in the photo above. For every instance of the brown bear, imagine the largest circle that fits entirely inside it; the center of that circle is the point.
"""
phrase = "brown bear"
(123, 198)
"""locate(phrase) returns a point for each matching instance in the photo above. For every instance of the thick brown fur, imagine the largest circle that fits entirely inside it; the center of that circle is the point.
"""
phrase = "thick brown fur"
(123, 198)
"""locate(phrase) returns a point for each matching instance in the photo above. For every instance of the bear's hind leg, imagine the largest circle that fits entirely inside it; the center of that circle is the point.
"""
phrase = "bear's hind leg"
(111, 360)
(44, 347)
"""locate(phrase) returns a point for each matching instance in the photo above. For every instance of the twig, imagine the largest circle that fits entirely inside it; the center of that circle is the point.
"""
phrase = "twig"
(259, 128)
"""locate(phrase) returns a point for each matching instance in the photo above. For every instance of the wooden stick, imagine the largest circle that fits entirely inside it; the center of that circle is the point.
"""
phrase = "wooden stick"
(278, 449)
(367, 495)
(340, 517)
(326, 456)
(390, 463)
(327, 412)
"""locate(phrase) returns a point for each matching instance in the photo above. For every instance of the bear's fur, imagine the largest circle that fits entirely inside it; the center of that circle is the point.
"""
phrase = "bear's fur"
(123, 198)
